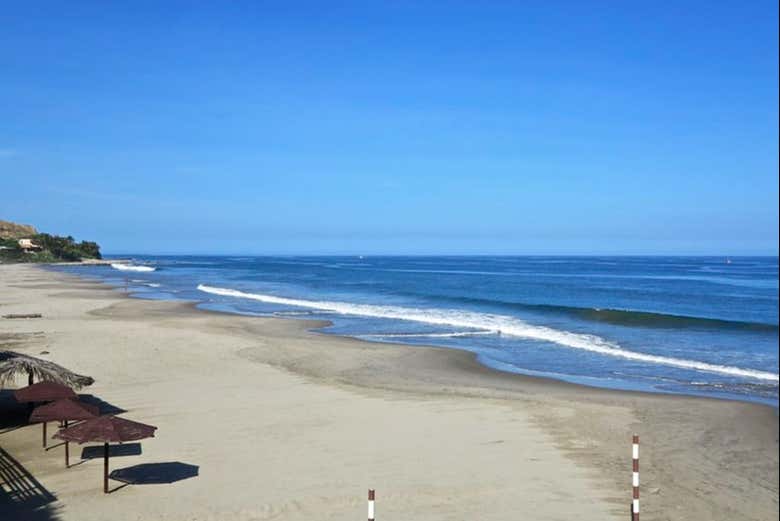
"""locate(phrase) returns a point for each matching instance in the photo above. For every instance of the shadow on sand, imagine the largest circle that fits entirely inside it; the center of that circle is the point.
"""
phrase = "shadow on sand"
(155, 473)
(124, 449)
(13, 414)
(103, 406)
(21, 495)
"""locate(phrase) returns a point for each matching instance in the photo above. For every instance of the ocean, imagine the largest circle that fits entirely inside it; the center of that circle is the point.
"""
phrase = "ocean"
(689, 325)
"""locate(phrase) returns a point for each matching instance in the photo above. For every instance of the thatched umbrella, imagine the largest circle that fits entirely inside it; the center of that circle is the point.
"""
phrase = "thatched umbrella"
(106, 429)
(64, 410)
(14, 364)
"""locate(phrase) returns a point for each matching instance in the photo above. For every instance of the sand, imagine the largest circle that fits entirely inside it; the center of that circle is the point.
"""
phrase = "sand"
(286, 423)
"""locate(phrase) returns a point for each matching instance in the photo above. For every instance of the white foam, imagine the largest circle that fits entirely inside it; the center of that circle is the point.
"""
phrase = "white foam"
(131, 267)
(502, 324)
(456, 334)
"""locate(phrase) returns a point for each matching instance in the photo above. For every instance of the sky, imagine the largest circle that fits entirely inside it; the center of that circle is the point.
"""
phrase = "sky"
(386, 127)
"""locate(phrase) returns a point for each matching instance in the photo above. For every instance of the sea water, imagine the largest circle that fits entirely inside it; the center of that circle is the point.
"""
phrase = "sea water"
(691, 325)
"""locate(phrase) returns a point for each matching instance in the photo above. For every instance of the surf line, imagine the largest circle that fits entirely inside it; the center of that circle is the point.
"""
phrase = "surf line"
(506, 325)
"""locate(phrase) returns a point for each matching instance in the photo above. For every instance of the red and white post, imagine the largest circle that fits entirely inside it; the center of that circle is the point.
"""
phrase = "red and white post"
(370, 504)
(635, 479)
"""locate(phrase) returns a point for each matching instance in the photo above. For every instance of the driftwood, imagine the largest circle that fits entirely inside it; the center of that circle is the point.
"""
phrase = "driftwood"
(23, 315)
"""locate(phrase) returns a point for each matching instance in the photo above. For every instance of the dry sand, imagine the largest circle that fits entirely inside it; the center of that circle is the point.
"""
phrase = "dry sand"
(284, 423)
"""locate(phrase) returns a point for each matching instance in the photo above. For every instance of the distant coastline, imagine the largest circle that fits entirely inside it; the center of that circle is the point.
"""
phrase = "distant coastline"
(23, 243)
(89, 262)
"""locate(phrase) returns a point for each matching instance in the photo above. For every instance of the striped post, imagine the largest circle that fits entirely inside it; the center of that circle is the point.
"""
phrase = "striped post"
(370, 504)
(635, 479)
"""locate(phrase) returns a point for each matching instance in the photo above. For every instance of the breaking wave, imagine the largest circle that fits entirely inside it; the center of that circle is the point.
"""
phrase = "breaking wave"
(501, 324)
(132, 267)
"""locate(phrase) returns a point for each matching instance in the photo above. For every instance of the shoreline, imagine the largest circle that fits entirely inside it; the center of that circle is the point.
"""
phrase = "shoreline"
(690, 458)
(83, 262)
(316, 327)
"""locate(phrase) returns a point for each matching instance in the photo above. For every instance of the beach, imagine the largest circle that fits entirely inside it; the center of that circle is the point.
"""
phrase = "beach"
(287, 423)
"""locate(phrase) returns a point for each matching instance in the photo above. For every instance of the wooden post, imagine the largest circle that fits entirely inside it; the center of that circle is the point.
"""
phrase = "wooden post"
(67, 450)
(635, 479)
(31, 405)
(105, 467)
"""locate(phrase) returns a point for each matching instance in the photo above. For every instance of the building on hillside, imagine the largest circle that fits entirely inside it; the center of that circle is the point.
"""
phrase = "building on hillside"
(27, 245)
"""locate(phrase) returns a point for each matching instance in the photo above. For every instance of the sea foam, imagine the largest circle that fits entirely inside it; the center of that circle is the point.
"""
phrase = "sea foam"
(502, 324)
(132, 267)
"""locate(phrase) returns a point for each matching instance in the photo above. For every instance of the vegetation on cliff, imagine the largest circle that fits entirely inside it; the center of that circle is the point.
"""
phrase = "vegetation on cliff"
(22, 243)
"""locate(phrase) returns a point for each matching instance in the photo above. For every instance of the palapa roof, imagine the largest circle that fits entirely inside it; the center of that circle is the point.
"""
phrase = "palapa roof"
(14, 364)
(43, 392)
(106, 429)
(62, 410)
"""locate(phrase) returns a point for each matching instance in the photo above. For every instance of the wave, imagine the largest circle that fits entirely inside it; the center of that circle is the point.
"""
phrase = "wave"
(499, 323)
(144, 283)
(132, 267)
(628, 317)
(624, 317)
(456, 334)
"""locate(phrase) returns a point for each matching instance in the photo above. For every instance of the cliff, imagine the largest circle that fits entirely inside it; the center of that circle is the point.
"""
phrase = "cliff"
(9, 230)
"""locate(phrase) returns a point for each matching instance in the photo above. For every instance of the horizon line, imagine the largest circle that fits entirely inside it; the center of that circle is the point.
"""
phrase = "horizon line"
(311, 254)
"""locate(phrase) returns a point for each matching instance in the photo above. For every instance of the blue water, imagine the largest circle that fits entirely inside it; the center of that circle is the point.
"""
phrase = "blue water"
(691, 325)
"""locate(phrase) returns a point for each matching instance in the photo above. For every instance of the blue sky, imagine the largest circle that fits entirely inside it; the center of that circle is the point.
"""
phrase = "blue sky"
(393, 127)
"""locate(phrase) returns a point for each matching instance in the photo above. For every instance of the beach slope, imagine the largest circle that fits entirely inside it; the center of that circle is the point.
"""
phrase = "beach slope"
(283, 423)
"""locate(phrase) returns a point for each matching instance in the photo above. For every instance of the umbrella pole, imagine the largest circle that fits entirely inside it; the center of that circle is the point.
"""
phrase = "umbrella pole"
(105, 467)
(44, 434)
(67, 451)
(30, 406)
